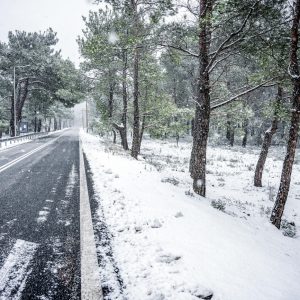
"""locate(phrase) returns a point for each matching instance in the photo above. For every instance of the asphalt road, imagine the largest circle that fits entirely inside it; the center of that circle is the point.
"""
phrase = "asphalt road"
(39, 219)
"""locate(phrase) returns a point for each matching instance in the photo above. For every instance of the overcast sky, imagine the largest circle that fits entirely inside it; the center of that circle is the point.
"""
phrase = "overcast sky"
(64, 16)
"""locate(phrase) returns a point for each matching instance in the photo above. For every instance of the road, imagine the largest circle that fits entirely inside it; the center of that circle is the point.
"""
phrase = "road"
(40, 219)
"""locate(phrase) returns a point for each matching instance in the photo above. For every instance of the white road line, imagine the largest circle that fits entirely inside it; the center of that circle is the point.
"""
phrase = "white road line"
(20, 158)
(90, 276)
(14, 272)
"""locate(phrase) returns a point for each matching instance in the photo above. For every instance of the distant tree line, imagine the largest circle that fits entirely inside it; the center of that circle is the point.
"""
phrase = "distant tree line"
(45, 83)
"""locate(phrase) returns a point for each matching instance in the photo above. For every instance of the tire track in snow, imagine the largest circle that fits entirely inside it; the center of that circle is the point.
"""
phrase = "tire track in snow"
(15, 270)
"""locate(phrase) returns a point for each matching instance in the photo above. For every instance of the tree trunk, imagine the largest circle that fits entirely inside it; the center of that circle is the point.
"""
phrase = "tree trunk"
(55, 124)
(12, 117)
(229, 131)
(232, 132)
(283, 130)
(35, 124)
(286, 170)
(110, 100)
(192, 126)
(202, 113)
(123, 134)
(20, 100)
(136, 111)
(177, 139)
(50, 123)
(39, 126)
(114, 136)
(259, 134)
(142, 131)
(294, 127)
(267, 142)
(22, 96)
(228, 126)
(188, 127)
(246, 131)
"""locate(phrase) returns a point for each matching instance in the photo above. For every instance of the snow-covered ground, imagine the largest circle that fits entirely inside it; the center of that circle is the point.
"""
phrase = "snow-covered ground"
(171, 244)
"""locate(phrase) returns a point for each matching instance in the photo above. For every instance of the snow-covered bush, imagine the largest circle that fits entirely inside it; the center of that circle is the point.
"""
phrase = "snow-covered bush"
(288, 228)
(218, 204)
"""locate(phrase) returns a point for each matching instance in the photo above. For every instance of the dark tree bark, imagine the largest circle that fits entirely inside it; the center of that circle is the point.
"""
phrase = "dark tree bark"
(177, 138)
(246, 132)
(283, 130)
(202, 113)
(267, 141)
(192, 127)
(136, 111)
(12, 117)
(22, 96)
(259, 134)
(123, 134)
(114, 136)
(110, 100)
(49, 125)
(228, 127)
(230, 130)
(55, 124)
(232, 135)
(111, 106)
(122, 129)
(294, 126)
(142, 130)
(22, 92)
(188, 127)
(35, 122)
(39, 126)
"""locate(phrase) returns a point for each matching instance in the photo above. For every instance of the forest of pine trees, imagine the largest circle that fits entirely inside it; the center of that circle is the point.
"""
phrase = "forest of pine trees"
(219, 71)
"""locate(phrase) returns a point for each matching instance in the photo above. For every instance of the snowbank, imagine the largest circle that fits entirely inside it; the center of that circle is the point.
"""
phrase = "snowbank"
(172, 244)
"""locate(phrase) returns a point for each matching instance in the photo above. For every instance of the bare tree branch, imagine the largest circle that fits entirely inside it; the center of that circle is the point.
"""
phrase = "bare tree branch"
(220, 104)
(179, 49)
(224, 45)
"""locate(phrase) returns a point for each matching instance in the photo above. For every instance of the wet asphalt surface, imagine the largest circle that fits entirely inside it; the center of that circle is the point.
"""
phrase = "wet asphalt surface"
(39, 203)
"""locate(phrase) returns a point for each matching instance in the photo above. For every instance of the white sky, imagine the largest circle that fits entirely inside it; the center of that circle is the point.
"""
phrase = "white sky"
(64, 16)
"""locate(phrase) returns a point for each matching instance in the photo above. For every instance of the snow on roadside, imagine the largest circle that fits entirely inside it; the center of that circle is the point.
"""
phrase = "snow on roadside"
(13, 143)
(171, 244)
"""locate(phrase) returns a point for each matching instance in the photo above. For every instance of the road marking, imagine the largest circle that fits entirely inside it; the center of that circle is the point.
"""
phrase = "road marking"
(20, 158)
(90, 276)
(73, 175)
(15, 271)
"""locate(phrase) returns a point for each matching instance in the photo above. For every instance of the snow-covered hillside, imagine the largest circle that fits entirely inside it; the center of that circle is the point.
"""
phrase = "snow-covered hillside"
(169, 243)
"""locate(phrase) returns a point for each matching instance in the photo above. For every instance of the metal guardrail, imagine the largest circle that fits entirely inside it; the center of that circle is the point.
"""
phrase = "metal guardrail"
(12, 140)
